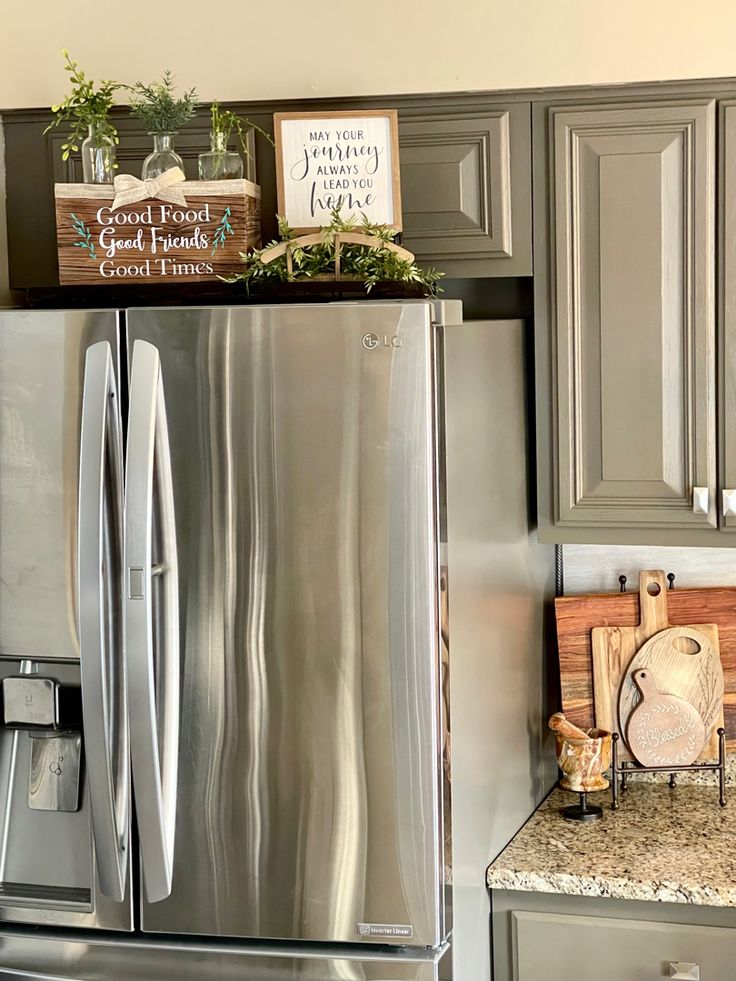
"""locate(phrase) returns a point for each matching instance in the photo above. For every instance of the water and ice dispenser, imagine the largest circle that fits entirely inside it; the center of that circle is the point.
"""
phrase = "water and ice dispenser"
(51, 714)
(46, 855)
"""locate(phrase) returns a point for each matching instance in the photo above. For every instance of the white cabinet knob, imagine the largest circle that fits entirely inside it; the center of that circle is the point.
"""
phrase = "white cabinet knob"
(685, 972)
(729, 503)
(700, 500)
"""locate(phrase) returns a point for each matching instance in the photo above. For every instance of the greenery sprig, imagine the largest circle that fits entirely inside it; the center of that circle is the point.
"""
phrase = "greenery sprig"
(371, 265)
(223, 229)
(224, 123)
(156, 106)
(86, 105)
(85, 240)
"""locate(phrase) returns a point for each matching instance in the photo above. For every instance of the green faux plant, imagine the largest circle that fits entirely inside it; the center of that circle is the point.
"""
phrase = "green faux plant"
(158, 108)
(224, 124)
(86, 105)
(370, 265)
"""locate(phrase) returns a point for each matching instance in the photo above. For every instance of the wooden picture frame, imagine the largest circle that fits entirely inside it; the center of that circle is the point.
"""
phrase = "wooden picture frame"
(326, 158)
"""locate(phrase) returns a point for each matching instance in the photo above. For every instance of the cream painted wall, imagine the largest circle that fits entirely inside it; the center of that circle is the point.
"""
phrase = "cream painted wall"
(290, 48)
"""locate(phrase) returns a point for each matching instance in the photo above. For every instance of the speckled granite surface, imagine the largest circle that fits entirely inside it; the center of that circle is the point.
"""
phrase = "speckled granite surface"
(673, 846)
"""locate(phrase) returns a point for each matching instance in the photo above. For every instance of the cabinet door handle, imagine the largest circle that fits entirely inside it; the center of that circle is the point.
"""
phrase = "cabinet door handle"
(685, 972)
(729, 503)
(700, 500)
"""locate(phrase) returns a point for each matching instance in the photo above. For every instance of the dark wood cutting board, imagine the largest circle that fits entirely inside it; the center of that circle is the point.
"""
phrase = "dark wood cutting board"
(577, 615)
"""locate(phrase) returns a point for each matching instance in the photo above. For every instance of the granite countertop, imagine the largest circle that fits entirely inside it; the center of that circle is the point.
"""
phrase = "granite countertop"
(673, 846)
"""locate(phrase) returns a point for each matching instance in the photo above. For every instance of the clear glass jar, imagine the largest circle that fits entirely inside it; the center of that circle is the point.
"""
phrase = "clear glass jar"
(220, 164)
(164, 156)
(98, 157)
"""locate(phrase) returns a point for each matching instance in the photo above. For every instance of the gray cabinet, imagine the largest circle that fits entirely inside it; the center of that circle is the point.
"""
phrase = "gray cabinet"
(626, 323)
(727, 274)
(561, 937)
(466, 190)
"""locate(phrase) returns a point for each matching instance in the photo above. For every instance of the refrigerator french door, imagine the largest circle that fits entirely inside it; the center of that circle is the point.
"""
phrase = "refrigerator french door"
(281, 609)
(65, 857)
(249, 617)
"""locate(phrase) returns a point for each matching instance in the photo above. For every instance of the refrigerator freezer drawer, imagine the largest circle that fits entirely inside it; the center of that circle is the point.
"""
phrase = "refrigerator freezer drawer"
(48, 958)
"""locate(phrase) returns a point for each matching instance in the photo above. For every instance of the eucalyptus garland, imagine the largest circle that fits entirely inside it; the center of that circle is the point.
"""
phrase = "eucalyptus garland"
(370, 265)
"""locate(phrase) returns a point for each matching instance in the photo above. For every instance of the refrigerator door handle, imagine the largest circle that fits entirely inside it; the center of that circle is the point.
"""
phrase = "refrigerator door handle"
(151, 620)
(100, 548)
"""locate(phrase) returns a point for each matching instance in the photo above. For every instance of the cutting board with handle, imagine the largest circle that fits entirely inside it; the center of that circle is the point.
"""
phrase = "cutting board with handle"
(578, 615)
(684, 663)
(663, 730)
(613, 649)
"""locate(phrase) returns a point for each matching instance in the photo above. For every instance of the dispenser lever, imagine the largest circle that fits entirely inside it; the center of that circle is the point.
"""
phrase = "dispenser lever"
(32, 702)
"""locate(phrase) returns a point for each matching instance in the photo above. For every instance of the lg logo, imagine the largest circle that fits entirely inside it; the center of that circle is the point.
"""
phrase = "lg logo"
(371, 341)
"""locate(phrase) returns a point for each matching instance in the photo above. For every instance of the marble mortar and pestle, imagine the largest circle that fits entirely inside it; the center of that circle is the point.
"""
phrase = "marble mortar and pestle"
(583, 756)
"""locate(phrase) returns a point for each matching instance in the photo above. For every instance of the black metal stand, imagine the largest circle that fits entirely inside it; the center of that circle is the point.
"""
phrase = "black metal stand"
(624, 769)
(583, 811)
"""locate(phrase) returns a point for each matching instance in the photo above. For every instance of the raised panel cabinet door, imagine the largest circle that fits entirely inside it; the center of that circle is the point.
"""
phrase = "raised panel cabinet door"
(632, 253)
(727, 281)
(558, 947)
(462, 209)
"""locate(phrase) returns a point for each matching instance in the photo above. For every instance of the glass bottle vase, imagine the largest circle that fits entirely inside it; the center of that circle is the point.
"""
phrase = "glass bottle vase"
(164, 156)
(220, 164)
(98, 157)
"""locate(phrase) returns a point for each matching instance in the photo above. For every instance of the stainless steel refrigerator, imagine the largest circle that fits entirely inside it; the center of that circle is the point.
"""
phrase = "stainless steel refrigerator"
(222, 648)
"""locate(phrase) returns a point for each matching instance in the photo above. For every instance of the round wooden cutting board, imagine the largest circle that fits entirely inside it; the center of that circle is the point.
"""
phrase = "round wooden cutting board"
(696, 677)
(663, 730)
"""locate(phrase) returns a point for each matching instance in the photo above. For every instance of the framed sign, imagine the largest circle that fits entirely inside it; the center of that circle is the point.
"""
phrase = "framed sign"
(345, 160)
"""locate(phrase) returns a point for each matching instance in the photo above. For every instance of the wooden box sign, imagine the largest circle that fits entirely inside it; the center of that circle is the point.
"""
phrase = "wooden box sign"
(190, 233)
(343, 160)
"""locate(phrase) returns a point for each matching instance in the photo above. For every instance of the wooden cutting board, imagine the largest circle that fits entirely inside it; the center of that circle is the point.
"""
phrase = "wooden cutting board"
(578, 615)
(663, 730)
(614, 648)
(683, 662)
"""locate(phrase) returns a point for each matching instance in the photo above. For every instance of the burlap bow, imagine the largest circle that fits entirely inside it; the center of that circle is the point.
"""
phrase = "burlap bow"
(129, 190)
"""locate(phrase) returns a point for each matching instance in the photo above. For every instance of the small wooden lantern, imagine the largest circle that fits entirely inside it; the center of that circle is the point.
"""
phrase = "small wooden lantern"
(155, 239)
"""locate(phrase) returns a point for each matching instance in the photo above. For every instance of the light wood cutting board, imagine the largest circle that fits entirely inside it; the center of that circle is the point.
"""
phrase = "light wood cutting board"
(683, 662)
(664, 730)
(613, 649)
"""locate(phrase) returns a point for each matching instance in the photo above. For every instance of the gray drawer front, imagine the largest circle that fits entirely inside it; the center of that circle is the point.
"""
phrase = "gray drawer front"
(559, 947)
